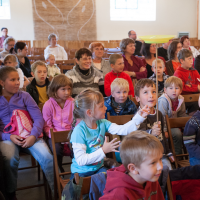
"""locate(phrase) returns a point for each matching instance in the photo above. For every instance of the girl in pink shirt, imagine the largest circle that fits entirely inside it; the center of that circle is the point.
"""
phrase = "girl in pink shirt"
(58, 112)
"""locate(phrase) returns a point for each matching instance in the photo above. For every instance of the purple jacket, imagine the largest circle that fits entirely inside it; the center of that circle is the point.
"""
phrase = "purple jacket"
(22, 101)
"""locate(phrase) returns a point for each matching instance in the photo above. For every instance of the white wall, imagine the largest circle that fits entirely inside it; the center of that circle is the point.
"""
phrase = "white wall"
(172, 16)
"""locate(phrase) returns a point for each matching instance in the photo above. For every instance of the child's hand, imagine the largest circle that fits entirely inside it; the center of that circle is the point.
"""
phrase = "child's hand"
(166, 134)
(156, 131)
(171, 158)
(144, 111)
(110, 146)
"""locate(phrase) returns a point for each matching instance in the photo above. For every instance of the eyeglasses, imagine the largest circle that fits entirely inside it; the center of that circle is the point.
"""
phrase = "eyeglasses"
(153, 46)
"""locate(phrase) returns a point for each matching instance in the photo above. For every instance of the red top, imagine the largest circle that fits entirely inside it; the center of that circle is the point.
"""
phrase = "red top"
(111, 76)
(175, 104)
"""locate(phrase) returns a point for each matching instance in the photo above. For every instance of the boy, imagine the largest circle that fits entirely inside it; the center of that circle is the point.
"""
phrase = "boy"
(117, 65)
(137, 178)
(162, 77)
(119, 103)
(53, 69)
(171, 103)
(39, 85)
(145, 93)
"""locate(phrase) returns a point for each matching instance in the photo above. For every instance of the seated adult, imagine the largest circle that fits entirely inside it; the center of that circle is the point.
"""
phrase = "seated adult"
(133, 66)
(173, 63)
(10, 144)
(138, 45)
(162, 51)
(4, 32)
(8, 43)
(21, 51)
(55, 49)
(185, 41)
(98, 62)
(84, 75)
(149, 52)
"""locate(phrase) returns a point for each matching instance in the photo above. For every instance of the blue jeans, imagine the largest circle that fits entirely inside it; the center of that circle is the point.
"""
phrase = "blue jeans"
(177, 137)
(39, 151)
(194, 161)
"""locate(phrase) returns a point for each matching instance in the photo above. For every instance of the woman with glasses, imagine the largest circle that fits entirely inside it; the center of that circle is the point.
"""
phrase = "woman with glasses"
(8, 43)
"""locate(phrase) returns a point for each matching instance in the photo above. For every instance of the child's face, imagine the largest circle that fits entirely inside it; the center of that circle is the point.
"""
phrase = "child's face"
(51, 61)
(120, 95)
(84, 62)
(64, 92)
(40, 74)
(9, 63)
(160, 69)
(99, 111)
(147, 96)
(118, 66)
(187, 63)
(173, 91)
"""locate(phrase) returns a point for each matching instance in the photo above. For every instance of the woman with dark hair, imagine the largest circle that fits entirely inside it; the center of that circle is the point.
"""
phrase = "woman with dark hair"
(173, 63)
(149, 52)
(21, 51)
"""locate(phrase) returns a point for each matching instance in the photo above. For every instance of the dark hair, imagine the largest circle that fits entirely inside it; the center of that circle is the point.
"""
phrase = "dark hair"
(145, 50)
(172, 49)
(183, 38)
(4, 28)
(81, 52)
(184, 53)
(141, 84)
(124, 43)
(4, 72)
(19, 45)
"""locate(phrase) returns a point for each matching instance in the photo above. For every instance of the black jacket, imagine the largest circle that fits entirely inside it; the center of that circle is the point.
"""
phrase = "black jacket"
(138, 46)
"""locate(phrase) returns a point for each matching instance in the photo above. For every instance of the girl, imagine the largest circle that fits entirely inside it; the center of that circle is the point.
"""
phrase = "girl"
(87, 137)
(10, 145)
(58, 111)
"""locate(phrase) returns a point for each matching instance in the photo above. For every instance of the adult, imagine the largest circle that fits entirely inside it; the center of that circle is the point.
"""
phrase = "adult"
(133, 66)
(84, 75)
(185, 41)
(10, 144)
(4, 32)
(21, 51)
(98, 62)
(173, 63)
(55, 49)
(138, 45)
(8, 43)
(149, 52)
(162, 51)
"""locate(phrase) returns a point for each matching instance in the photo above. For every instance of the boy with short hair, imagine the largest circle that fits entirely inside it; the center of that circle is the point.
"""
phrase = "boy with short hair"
(162, 77)
(137, 178)
(171, 103)
(117, 65)
(118, 103)
(145, 93)
(39, 85)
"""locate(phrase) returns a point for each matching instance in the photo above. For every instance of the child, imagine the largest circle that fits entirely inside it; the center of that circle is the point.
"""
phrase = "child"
(53, 69)
(161, 75)
(137, 178)
(171, 103)
(58, 111)
(39, 85)
(11, 61)
(88, 136)
(117, 65)
(191, 138)
(119, 103)
(145, 93)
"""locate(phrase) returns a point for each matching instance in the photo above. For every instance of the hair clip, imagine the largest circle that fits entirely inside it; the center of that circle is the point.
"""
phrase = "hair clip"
(76, 102)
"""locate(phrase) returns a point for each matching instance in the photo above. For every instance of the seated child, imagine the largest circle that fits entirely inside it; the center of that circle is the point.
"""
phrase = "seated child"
(137, 178)
(191, 138)
(161, 75)
(39, 85)
(53, 69)
(118, 102)
(189, 76)
(145, 93)
(88, 136)
(117, 65)
(58, 112)
(11, 61)
(171, 103)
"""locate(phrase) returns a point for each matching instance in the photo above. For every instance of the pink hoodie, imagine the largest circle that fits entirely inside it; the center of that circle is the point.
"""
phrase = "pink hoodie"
(57, 118)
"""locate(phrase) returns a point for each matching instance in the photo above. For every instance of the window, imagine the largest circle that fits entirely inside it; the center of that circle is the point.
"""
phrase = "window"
(4, 9)
(133, 10)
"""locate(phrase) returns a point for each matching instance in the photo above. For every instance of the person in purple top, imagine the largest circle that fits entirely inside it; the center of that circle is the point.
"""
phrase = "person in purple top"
(10, 145)
(133, 66)
(4, 32)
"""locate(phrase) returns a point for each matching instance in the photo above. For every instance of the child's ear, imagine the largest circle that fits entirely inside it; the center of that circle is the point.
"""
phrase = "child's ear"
(112, 66)
(164, 89)
(132, 168)
(89, 113)
(181, 60)
(32, 74)
(137, 98)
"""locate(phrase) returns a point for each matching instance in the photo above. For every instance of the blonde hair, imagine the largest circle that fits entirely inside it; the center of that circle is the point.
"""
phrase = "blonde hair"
(7, 40)
(52, 35)
(138, 146)
(173, 80)
(49, 55)
(114, 57)
(119, 83)
(10, 57)
(158, 61)
(37, 63)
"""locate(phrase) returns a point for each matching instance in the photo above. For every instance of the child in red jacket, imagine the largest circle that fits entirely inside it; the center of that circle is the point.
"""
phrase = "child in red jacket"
(117, 65)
